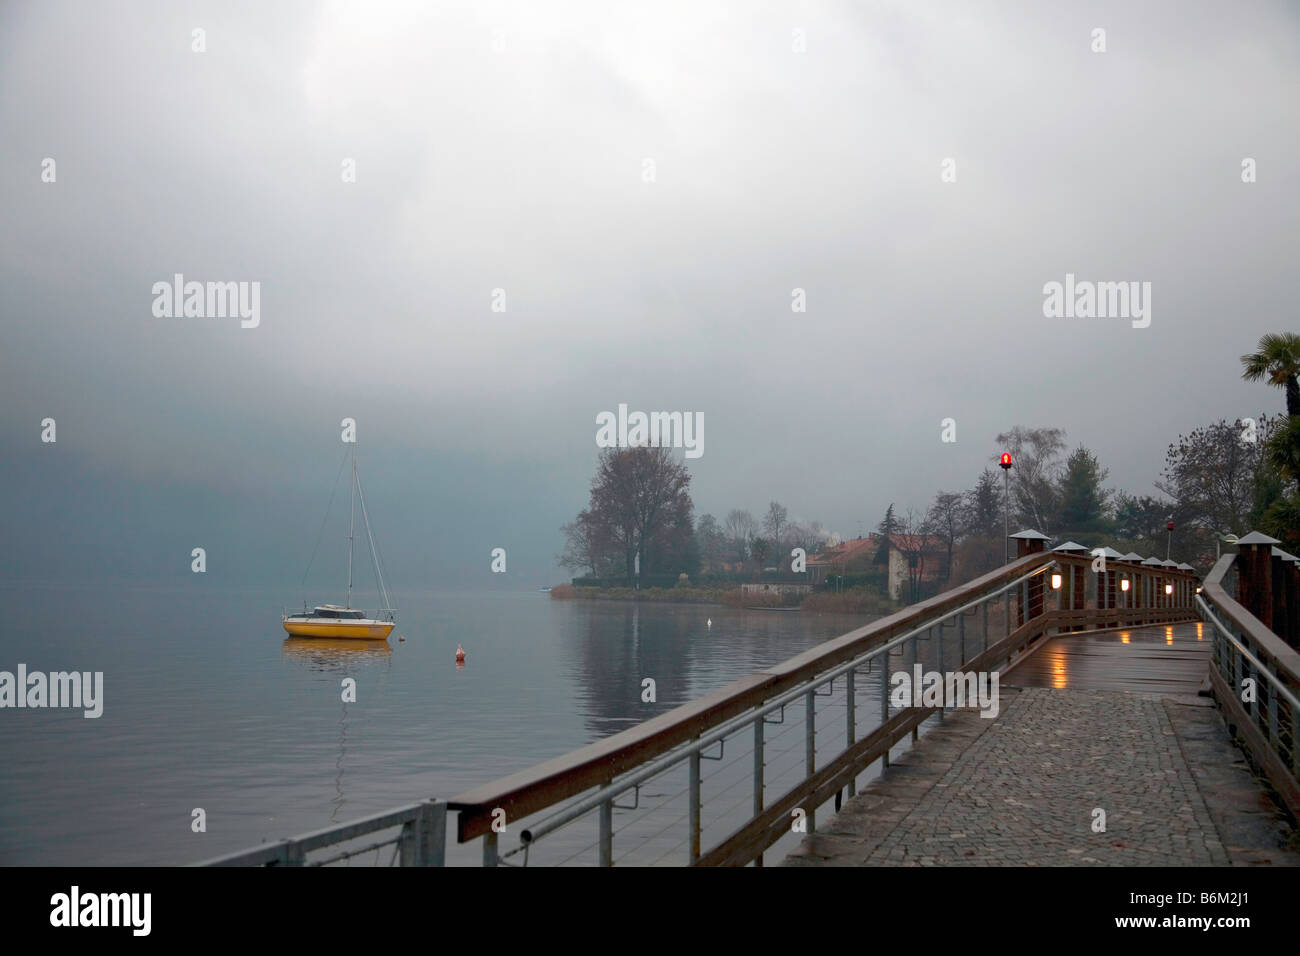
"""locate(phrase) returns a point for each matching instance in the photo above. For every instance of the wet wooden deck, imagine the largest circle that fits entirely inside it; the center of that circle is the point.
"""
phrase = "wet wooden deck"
(1167, 659)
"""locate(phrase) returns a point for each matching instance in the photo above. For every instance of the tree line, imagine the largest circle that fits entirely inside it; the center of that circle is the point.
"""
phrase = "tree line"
(1226, 477)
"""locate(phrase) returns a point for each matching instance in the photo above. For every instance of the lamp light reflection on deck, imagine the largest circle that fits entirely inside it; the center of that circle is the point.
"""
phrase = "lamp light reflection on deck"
(1124, 637)
(1058, 672)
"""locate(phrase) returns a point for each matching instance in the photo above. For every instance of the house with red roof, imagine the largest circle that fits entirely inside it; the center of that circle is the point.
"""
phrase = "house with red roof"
(911, 561)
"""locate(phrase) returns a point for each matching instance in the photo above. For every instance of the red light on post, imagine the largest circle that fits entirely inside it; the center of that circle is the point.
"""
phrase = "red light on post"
(1005, 460)
(1169, 526)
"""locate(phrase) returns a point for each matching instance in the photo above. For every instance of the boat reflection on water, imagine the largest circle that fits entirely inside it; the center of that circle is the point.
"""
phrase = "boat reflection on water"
(325, 654)
(339, 655)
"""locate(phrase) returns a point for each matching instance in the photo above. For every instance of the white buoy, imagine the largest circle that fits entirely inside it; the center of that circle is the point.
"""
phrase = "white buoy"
(709, 622)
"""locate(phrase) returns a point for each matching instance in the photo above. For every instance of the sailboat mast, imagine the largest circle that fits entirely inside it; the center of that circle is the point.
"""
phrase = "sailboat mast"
(352, 520)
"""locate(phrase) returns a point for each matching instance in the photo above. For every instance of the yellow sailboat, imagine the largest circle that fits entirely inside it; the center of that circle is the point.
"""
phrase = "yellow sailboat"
(334, 621)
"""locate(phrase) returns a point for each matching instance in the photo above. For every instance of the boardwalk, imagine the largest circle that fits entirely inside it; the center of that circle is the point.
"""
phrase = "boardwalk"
(1089, 722)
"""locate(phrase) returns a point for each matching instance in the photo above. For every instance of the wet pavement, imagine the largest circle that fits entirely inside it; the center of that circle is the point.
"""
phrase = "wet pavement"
(1073, 771)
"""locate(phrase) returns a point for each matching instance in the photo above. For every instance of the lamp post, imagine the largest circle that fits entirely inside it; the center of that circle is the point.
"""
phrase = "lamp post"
(1005, 464)
(1222, 537)
(1169, 535)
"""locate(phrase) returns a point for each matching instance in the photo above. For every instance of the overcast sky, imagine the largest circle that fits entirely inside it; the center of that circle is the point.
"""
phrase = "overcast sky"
(504, 146)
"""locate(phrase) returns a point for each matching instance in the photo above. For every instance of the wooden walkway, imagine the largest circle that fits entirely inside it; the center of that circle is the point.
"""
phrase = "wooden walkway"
(1172, 659)
(1100, 726)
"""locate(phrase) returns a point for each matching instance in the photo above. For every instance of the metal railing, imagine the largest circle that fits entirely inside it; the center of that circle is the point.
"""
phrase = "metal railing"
(1256, 680)
(816, 787)
(778, 744)
(418, 837)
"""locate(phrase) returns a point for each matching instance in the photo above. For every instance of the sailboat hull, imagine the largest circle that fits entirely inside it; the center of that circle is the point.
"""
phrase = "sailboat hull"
(358, 630)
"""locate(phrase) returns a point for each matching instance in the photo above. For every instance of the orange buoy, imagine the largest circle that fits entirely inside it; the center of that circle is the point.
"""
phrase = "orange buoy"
(460, 654)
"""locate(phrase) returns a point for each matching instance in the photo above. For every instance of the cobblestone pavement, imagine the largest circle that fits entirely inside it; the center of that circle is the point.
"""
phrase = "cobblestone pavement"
(1022, 790)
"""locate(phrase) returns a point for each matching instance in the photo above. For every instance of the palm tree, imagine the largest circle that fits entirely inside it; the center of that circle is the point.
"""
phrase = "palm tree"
(1283, 450)
(1277, 361)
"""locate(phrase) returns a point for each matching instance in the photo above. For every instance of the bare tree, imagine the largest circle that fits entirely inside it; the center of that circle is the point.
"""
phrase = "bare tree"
(945, 520)
(811, 537)
(741, 528)
(1035, 458)
(587, 545)
(713, 542)
(911, 541)
(636, 494)
(1213, 476)
(774, 523)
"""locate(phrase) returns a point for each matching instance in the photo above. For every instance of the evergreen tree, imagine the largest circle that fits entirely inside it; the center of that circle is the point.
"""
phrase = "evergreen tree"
(889, 525)
(984, 507)
(1084, 504)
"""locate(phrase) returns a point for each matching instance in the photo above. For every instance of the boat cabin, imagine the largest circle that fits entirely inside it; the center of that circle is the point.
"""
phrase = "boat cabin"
(341, 613)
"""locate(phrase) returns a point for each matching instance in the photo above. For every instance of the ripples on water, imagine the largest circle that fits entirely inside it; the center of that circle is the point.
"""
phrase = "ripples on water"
(207, 704)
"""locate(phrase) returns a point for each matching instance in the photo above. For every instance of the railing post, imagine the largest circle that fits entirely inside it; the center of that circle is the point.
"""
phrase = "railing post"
(916, 731)
(758, 775)
(961, 637)
(408, 844)
(984, 632)
(293, 854)
(435, 833)
(1277, 597)
(1292, 580)
(693, 807)
(1273, 701)
(850, 711)
(1236, 668)
(884, 704)
(1295, 741)
(810, 750)
(938, 631)
(607, 833)
(424, 839)
(490, 848)
(1075, 575)
(1249, 672)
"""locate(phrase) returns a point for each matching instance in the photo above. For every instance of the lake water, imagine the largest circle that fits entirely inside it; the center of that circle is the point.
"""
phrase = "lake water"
(206, 704)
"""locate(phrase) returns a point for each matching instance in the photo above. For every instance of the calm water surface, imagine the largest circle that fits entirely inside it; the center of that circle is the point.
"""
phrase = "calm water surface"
(208, 705)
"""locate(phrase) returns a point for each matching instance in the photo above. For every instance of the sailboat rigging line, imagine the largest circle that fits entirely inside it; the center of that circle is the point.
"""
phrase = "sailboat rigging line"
(374, 557)
(321, 532)
(376, 553)
(381, 565)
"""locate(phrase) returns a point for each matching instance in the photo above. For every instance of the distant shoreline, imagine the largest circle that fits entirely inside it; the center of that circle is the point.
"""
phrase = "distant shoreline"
(715, 596)
(856, 601)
